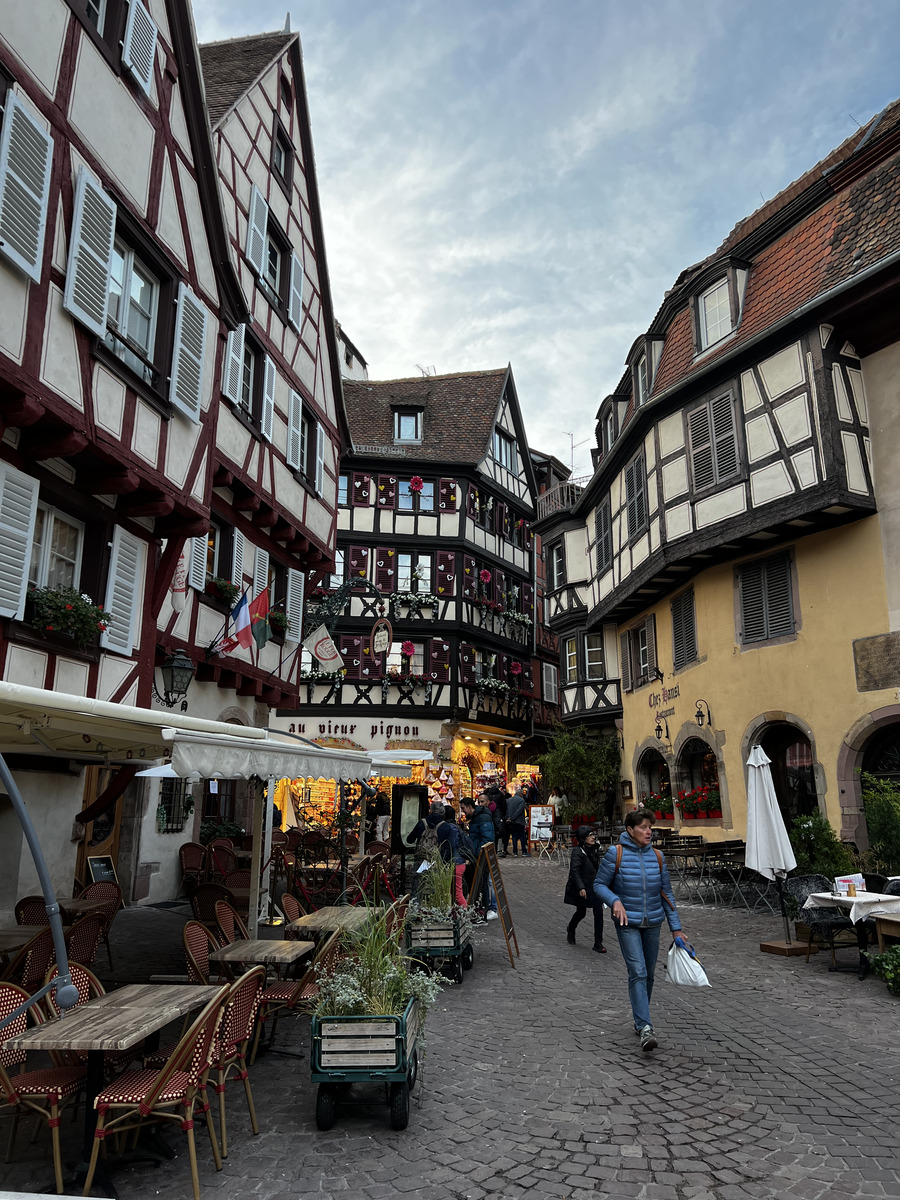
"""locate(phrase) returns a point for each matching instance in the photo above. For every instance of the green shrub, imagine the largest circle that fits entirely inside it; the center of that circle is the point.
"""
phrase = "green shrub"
(887, 967)
(584, 767)
(881, 799)
(817, 849)
(211, 828)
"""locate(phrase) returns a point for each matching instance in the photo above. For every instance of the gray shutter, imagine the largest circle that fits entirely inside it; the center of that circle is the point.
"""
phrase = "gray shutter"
(295, 432)
(237, 559)
(296, 584)
(26, 153)
(640, 491)
(753, 609)
(700, 442)
(779, 596)
(267, 419)
(139, 45)
(684, 630)
(124, 592)
(724, 437)
(233, 367)
(650, 626)
(630, 499)
(604, 536)
(320, 459)
(260, 571)
(625, 661)
(197, 564)
(18, 505)
(86, 294)
(295, 296)
(186, 388)
(257, 228)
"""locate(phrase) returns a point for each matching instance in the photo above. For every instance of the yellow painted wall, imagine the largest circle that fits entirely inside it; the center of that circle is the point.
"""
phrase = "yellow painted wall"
(841, 589)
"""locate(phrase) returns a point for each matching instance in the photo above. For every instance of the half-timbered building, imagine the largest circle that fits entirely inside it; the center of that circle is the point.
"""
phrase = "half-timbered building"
(724, 563)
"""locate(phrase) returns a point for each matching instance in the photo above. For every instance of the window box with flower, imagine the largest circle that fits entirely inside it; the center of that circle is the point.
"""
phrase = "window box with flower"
(223, 590)
(65, 614)
(701, 803)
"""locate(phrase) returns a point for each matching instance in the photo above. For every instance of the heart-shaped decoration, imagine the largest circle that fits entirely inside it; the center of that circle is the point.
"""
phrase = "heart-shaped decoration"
(392, 479)
(356, 662)
(381, 487)
(390, 554)
(434, 674)
(440, 590)
(444, 646)
(468, 570)
(366, 651)
(365, 670)
(381, 562)
(357, 483)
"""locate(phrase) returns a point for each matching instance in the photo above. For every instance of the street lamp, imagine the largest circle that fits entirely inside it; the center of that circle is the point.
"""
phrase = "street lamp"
(700, 716)
(661, 722)
(177, 672)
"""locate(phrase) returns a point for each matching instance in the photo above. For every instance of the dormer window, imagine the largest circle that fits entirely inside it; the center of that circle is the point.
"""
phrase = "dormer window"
(407, 425)
(715, 314)
(609, 431)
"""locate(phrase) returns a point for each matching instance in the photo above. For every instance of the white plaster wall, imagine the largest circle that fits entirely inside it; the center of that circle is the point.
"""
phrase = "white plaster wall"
(161, 848)
(53, 802)
(13, 311)
(35, 33)
(782, 371)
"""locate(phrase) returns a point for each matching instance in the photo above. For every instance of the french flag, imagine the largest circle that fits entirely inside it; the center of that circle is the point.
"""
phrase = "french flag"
(240, 617)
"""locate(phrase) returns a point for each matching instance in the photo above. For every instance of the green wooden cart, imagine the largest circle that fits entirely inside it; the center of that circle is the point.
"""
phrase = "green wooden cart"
(441, 941)
(366, 1049)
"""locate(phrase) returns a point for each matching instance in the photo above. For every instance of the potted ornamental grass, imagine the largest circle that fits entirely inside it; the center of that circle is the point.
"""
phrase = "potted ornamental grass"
(436, 927)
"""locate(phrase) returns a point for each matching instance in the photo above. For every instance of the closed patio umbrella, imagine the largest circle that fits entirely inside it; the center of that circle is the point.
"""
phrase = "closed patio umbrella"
(769, 850)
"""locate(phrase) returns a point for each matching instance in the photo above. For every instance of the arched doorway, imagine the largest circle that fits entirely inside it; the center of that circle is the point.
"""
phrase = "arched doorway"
(793, 771)
(653, 776)
(882, 755)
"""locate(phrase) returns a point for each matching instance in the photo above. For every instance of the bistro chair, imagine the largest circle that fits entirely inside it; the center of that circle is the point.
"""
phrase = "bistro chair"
(32, 910)
(111, 895)
(238, 879)
(279, 837)
(89, 988)
(291, 907)
(32, 963)
(294, 840)
(286, 995)
(175, 1093)
(192, 857)
(83, 939)
(374, 847)
(235, 1032)
(229, 924)
(874, 883)
(198, 942)
(221, 858)
(40, 1093)
(203, 902)
(823, 923)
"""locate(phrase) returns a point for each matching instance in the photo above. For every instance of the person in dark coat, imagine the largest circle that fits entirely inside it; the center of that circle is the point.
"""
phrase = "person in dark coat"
(515, 824)
(481, 833)
(583, 866)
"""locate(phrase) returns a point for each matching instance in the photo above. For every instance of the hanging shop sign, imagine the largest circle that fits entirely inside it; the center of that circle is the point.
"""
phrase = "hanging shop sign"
(382, 636)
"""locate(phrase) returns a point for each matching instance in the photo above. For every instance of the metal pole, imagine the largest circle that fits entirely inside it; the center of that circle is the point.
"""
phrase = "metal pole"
(342, 816)
(787, 926)
(66, 992)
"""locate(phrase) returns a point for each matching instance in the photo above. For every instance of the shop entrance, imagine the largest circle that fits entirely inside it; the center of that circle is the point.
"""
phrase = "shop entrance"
(792, 770)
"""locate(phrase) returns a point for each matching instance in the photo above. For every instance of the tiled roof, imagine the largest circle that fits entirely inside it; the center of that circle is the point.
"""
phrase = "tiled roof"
(231, 67)
(458, 412)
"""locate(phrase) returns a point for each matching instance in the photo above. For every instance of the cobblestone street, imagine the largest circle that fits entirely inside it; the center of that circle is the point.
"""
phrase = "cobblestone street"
(781, 1080)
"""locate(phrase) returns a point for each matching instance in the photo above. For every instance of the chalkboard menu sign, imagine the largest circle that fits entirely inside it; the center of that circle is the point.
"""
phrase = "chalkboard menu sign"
(487, 861)
(102, 867)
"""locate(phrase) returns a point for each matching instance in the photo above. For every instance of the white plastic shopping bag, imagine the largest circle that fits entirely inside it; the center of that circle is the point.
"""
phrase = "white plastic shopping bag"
(683, 966)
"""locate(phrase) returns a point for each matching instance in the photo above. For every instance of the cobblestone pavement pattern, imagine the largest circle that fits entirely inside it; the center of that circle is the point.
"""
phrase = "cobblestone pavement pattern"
(780, 1081)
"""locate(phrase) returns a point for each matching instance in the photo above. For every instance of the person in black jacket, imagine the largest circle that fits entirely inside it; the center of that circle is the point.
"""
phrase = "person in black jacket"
(580, 886)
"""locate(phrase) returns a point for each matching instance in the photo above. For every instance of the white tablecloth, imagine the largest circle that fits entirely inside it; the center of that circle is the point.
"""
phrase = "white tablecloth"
(858, 907)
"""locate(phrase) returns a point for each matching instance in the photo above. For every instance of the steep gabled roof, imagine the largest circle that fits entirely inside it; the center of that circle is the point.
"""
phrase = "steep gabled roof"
(230, 68)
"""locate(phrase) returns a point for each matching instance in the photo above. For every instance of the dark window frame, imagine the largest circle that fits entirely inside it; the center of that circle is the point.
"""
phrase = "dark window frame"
(603, 536)
(408, 411)
(556, 578)
(109, 43)
(281, 137)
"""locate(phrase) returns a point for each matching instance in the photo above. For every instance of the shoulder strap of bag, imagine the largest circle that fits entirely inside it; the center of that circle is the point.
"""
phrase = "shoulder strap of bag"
(618, 864)
(665, 898)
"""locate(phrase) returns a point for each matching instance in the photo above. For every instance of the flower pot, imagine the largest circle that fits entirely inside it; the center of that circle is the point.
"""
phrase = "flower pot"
(702, 816)
(715, 813)
(658, 816)
(689, 816)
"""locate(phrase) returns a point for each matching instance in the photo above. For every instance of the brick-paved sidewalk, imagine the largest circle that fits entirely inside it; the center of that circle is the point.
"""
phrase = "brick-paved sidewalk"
(780, 1081)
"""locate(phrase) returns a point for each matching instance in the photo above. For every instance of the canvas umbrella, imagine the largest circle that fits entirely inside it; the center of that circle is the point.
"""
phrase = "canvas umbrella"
(769, 850)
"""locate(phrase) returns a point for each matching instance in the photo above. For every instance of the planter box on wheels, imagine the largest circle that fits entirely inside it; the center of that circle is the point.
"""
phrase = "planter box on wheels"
(440, 940)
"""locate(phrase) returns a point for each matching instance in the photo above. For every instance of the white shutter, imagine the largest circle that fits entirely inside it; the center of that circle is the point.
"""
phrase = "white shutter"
(197, 563)
(320, 459)
(295, 432)
(18, 505)
(139, 45)
(186, 387)
(267, 419)
(237, 560)
(295, 300)
(124, 592)
(549, 689)
(296, 585)
(257, 228)
(233, 367)
(26, 152)
(86, 293)
(260, 571)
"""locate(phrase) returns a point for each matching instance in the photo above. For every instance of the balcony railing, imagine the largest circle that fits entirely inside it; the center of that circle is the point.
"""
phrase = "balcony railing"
(562, 497)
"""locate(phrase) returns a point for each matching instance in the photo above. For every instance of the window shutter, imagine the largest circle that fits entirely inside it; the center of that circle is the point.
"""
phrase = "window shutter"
(684, 631)
(500, 518)
(260, 571)
(625, 661)
(233, 367)
(650, 626)
(295, 299)
(320, 459)
(466, 663)
(779, 596)
(296, 586)
(358, 562)
(351, 652)
(471, 499)
(26, 153)
(604, 537)
(503, 671)
(267, 417)
(700, 441)
(295, 432)
(528, 600)
(527, 677)
(447, 495)
(469, 577)
(123, 592)
(640, 493)
(550, 690)
(186, 387)
(197, 563)
(446, 573)
(86, 292)
(18, 505)
(385, 569)
(361, 489)
(237, 559)
(753, 608)
(139, 45)
(387, 491)
(630, 510)
(439, 660)
(724, 437)
(257, 229)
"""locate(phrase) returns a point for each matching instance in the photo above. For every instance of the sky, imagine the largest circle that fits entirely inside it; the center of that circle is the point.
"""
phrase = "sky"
(521, 182)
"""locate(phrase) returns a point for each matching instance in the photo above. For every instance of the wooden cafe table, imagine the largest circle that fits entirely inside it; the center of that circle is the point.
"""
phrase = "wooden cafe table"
(330, 918)
(14, 937)
(262, 950)
(116, 1021)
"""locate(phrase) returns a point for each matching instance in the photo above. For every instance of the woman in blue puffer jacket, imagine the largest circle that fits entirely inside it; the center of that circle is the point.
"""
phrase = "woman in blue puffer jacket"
(634, 881)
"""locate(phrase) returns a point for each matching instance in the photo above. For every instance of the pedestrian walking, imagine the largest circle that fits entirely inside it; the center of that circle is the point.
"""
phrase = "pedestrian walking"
(450, 844)
(583, 864)
(382, 816)
(515, 821)
(634, 881)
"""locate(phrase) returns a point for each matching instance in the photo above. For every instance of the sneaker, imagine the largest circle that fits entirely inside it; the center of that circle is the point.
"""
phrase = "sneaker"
(648, 1038)
(492, 915)
(526, 854)
(601, 949)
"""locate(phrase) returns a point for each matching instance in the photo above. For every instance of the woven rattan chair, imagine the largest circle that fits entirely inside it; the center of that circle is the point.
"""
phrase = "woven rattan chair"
(173, 1093)
(198, 942)
(111, 895)
(203, 902)
(229, 924)
(32, 910)
(287, 995)
(221, 859)
(192, 857)
(89, 987)
(32, 962)
(39, 1093)
(823, 923)
(238, 879)
(83, 939)
(235, 1032)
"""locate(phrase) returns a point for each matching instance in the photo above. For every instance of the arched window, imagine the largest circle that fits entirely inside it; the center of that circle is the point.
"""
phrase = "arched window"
(653, 779)
(882, 757)
(698, 765)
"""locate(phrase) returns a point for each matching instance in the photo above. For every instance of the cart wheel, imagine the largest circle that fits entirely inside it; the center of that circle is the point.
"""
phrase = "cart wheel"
(399, 1105)
(325, 1106)
(468, 957)
(413, 1074)
(457, 969)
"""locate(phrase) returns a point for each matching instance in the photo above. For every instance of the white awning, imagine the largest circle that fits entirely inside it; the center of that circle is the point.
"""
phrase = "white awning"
(231, 758)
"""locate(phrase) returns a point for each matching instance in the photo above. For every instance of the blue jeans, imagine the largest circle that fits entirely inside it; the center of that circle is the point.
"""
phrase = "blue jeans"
(640, 949)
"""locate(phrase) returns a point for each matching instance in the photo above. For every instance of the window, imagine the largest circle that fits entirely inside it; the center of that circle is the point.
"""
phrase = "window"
(219, 799)
(278, 269)
(641, 381)
(550, 681)
(603, 531)
(342, 490)
(712, 438)
(95, 12)
(570, 650)
(116, 26)
(306, 444)
(413, 572)
(593, 656)
(767, 601)
(485, 665)
(55, 550)
(715, 314)
(131, 312)
(287, 95)
(556, 566)
(636, 495)
(407, 425)
(609, 431)
(339, 573)
(396, 660)
(504, 450)
(282, 163)
(409, 501)
(637, 652)
(684, 630)
(174, 798)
